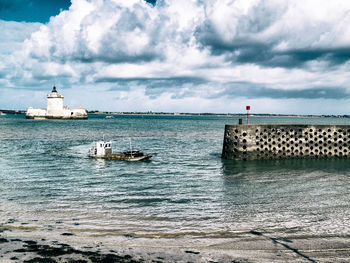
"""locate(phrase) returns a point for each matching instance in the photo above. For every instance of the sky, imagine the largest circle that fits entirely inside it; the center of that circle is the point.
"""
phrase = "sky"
(278, 56)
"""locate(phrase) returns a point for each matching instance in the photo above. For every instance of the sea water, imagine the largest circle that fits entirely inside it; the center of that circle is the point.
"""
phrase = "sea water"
(49, 186)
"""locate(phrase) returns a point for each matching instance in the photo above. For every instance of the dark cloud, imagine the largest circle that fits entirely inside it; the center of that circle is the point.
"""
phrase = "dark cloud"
(35, 84)
(241, 36)
(174, 85)
(156, 82)
(244, 51)
(114, 57)
(240, 49)
(2, 74)
(256, 90)
(184, 87)
(157, 86)
(266, 56)
(334, 56)
(243, 42)
(61, 76)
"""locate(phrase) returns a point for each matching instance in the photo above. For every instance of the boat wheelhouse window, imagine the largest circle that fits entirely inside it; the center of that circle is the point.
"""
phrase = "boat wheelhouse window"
(101, 145)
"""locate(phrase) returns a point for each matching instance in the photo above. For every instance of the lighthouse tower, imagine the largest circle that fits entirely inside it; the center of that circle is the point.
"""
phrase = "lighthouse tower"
(54, 103)
(55, 109)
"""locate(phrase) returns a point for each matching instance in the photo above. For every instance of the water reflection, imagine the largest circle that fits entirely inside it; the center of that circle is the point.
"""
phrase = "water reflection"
(298, 195)
(99, 163)
(230, 167)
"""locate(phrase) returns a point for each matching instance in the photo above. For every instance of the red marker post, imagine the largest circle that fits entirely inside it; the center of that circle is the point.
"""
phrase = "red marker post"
(248, 109)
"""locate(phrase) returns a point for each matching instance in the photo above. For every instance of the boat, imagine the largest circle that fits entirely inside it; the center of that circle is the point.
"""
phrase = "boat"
(109, 117)
(2, 113)
(103, 149)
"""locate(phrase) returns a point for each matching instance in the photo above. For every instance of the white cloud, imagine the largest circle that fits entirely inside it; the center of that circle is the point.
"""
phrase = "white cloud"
(13, 34)
(184, 55)
(109, 31)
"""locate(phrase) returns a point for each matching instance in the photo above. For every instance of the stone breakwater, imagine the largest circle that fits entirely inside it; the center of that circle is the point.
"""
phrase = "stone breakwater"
(279, 141)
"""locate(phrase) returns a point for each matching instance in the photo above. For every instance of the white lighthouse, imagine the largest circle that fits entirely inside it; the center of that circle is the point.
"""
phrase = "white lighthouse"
(54, 103)
(55, 109)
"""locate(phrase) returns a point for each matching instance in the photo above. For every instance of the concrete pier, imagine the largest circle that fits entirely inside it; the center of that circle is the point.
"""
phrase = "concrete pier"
(277, 141)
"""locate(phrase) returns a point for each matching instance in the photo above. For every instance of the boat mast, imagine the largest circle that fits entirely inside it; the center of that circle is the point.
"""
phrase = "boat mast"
(130, 147)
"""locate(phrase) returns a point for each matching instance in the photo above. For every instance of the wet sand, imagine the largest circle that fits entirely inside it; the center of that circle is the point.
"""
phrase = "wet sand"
(252, 246)
(43, 251)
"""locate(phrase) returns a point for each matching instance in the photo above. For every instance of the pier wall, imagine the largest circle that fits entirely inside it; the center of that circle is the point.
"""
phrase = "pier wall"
(279, 141)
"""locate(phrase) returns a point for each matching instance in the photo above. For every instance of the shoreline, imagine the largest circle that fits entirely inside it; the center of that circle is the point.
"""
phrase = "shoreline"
(179, 114)
(237, 115)
(252, 246)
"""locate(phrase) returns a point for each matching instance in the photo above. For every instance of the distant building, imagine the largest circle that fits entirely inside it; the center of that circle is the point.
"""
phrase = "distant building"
(55, 109)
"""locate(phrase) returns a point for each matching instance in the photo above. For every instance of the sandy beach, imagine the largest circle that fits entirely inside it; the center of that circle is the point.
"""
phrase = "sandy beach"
(252, 246)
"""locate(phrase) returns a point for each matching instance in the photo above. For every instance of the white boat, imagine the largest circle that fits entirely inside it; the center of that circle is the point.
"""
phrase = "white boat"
(103, 149)
(2, 113)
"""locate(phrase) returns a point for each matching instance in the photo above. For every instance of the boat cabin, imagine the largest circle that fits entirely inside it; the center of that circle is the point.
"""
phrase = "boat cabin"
(101, 148)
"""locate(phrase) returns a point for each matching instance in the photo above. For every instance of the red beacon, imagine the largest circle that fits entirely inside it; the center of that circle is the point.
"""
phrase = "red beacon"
(248, 109)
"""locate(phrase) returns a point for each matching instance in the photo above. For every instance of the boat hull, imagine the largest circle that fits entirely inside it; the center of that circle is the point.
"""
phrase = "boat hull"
(124, 157)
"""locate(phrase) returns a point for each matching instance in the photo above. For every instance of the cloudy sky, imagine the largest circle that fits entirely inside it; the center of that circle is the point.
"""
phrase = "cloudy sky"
(278, 56)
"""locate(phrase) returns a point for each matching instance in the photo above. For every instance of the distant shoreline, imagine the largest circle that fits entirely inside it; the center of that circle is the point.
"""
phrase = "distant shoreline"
(242, 115)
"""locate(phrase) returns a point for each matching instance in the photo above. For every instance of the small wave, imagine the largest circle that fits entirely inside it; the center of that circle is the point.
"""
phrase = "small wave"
(216, 155)
(161, 235)
(215, 234)
(19, 228)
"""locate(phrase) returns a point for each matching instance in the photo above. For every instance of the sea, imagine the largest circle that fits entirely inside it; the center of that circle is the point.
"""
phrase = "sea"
(185, 194)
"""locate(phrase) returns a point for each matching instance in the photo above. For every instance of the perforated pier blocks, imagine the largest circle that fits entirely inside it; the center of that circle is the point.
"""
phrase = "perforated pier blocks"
(277, 141)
